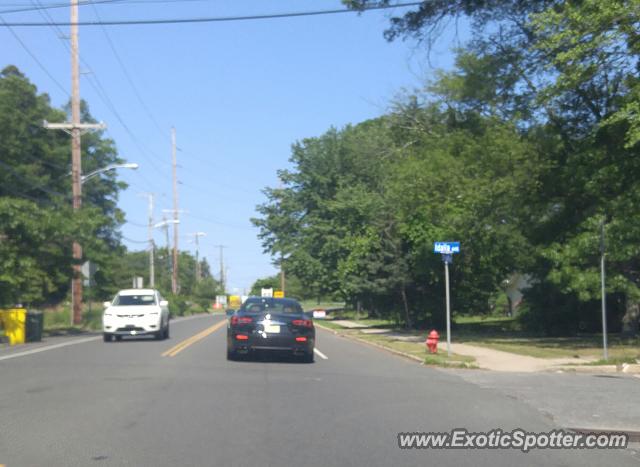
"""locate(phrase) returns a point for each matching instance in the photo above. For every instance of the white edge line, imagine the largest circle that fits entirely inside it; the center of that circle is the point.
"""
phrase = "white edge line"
(50, 347)
(77, 341)
(320, 354)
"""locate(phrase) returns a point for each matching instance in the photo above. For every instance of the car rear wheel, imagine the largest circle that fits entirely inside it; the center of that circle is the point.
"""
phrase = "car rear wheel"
(308, 357)
(106, 337)
(231, 355)
(166, 331)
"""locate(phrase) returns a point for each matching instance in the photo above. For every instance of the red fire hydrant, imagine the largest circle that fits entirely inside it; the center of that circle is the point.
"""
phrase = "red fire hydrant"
(432, 341)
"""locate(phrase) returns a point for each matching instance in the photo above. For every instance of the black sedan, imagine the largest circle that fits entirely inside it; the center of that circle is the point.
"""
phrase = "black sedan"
(274, 324)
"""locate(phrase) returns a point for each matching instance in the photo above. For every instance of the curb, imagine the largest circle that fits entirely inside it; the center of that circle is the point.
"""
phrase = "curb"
(629, 369)
(372, 344)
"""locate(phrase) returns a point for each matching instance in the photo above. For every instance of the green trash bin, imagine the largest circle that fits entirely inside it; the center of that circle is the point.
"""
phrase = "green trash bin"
(34, 326)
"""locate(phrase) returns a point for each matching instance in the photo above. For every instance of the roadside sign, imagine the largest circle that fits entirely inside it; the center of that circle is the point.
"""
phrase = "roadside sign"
(268, 293)
(278, 294)
(221, 300)
(89, 269)
(446, 248)
(235, 301)
(319, 314)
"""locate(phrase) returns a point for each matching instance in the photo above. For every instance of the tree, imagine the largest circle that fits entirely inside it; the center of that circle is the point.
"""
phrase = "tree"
(35, 188)
(564, 74)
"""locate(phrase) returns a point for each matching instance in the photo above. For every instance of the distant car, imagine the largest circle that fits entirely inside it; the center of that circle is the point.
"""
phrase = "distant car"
(136, 312)
(270, 324)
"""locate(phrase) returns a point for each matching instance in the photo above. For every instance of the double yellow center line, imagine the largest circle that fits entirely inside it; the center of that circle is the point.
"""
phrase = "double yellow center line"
(176, 349)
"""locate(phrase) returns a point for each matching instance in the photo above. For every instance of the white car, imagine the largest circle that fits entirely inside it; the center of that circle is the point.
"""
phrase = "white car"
(136, 312)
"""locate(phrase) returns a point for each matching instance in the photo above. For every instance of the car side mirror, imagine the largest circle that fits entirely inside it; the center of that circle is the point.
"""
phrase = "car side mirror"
(164, 303)
(230, 312)
(106, 304)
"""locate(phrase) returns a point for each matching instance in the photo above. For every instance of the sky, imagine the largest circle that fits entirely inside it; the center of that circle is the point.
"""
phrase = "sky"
(239, 94)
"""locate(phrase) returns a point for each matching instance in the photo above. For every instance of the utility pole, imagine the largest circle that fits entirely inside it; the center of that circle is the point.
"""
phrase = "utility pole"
(75, 129)
(221, 267)
(175, 287)
(152, 272)
(166, 235)
(197, 235)
(165, 225)
(282, 278)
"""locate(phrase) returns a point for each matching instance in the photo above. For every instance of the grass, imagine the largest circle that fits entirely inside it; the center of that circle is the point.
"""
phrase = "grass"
(58, 320)
(504, 334)
(578, 347)
(419, 349)
(308, 305)
(613, 361)
(395, 342)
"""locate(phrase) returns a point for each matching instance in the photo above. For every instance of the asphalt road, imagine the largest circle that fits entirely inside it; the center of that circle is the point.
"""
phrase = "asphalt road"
(149, 403)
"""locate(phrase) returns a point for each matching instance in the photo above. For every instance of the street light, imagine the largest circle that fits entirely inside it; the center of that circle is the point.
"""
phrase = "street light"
(162, 224)
(95, 173)
(197, 235)
(165, 225)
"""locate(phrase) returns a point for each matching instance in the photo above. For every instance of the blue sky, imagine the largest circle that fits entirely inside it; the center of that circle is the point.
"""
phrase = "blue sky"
(238, 93)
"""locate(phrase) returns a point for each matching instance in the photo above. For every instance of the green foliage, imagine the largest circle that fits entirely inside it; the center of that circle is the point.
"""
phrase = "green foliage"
(136, 264)
(34, 247)
(520, 152)
(205, 291)
(271, 282)
(361, 211)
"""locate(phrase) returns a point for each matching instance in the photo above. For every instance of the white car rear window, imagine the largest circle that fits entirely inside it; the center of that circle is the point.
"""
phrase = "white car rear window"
(126, 300)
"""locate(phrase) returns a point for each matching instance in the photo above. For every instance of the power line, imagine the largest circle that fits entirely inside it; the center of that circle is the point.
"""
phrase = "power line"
(59, 5)
(212, 221)
(134, 241)
(217, 19)
(51, 6)
(128, 76)
(136, 224)
(97, 86)
(38, 62)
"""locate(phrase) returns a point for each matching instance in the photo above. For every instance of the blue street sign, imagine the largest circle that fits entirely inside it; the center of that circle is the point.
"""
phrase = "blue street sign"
(446, 248)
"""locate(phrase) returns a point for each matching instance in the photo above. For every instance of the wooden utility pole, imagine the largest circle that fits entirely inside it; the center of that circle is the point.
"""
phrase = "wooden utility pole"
(166, 236)
(75, 129)
(152, 271)
(76, 162)
(282, 277)
(175, 287)
(197, 235)
(222, 280)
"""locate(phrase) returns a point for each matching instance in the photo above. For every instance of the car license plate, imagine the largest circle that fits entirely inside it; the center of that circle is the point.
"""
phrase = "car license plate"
(272, 328)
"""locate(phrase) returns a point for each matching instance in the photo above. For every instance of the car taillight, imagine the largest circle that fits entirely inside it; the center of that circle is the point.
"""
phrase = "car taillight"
(241, 337)
(305, 323)
(235, 320)
(301, 339)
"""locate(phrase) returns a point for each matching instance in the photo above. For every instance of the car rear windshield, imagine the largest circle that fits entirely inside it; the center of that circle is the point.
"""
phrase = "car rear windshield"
(271, 305)
(126, 300)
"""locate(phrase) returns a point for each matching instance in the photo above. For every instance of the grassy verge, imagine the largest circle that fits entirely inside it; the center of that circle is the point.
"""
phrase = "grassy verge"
(504, 334)
(57, 320)
(410, 343)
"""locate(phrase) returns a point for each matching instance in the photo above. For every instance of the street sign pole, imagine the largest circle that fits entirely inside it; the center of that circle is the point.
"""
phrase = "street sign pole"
(447, 259)
(603, 292)
(446, 250)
